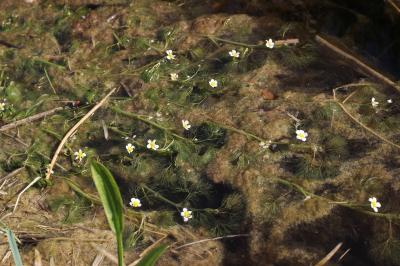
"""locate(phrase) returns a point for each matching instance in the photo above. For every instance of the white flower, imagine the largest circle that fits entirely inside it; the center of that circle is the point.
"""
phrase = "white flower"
(213, 83)
(186, 125)
(2, 106)
(374, 204)
(390, 101)
(151, 144)
(301, 135)
(265, 145)
(129, 148)
(79, 155)
(374, 103)
(170, 55)
(186, 214)
(234, 53)
(269, 43)
(135, 203)
(174, 76)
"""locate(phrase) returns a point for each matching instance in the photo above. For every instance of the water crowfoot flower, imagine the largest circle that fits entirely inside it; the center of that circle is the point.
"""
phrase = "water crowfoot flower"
(186, 214)
(2, 106)
(135, 203)
(265, 145)
(390, 101)
(374, 204)
(170, 56)
(129, 148)
(186, 125)
(269, 43)
(79, 155)
(213, 83)
(151, 144)
(174, 76)
(301, 135)
(234, 54)
(374, 103)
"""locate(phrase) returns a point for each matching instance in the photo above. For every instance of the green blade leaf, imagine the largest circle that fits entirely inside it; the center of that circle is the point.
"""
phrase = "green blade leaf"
(153, 255)
(14, 248)
(110, 197)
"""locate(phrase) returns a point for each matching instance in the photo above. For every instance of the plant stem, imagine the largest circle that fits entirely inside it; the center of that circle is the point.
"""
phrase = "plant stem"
(147, 121)
(388, 216)
(213, 38)
(252, 136)
(161, 197)
(120, 248)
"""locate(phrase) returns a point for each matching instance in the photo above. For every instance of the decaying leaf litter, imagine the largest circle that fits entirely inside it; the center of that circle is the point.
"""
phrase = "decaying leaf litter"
(273, 144)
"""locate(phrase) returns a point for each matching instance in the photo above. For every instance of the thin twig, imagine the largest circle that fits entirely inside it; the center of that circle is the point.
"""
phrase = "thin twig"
(107, 254)
(30, 119)
(358, 62)
(394, 5)
(329, 255)
(147, 250)
(73, 129)
(307, 194)
(365, 127)
(210, 239)
(13, 173)
(23, 191)
(278, 43)
(344, 254)
(49, 80)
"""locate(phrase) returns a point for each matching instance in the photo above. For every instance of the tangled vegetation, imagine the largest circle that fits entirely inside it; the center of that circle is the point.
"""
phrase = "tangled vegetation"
(252, 135)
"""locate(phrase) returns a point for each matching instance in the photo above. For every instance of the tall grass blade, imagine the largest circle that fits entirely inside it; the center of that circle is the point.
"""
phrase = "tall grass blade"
(153, 256)
(112, 202)
(14, 248)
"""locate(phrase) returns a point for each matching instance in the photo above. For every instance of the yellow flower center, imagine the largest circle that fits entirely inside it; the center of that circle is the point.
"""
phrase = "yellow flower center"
(186, 214)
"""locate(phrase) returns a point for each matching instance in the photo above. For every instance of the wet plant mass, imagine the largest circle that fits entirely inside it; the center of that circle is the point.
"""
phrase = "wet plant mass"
(250, 125)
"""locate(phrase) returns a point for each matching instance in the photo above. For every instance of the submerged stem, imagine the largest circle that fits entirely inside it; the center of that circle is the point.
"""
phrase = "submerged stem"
(389, 216)
(147, 121)
(161, 197)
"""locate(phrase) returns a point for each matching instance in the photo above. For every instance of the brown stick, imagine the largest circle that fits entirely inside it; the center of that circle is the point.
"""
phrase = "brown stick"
(286, 42)
(13, 173)
(30, 119)
(210, 239)
(394, 5)
(358, 62)
(365, 127)
(329, 255)
(73, 129)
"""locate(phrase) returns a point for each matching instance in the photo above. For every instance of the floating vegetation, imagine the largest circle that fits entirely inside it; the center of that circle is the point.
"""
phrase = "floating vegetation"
(217, 122)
